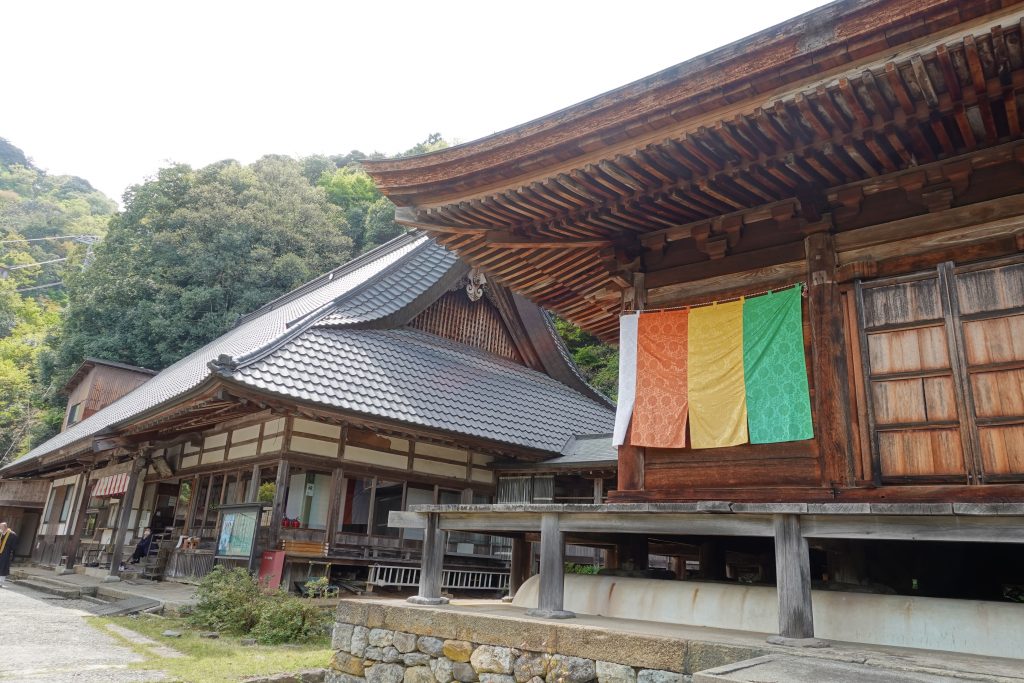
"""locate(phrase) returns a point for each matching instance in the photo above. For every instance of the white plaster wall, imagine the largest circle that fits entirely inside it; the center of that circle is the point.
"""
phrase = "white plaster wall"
(972, 626)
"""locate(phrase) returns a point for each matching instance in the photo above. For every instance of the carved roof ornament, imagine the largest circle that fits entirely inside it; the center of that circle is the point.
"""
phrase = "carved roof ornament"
(475, 282)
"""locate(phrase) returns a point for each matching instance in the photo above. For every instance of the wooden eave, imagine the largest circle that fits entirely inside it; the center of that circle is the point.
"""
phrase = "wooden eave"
(569, 234)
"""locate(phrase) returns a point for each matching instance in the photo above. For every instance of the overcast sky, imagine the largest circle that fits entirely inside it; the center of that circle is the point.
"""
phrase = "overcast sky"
(111, 91)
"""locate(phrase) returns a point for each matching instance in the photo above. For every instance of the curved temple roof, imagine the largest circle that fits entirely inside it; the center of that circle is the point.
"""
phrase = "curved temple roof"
(312, 345)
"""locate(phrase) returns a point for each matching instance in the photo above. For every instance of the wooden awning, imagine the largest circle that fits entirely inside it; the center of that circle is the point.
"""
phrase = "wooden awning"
(727, 161)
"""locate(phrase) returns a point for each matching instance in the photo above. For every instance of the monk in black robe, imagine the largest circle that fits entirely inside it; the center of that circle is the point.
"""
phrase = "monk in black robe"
(8, 542)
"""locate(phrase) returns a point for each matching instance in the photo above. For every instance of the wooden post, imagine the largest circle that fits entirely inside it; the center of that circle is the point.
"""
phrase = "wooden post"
(280, 499)
(712, 560)
(138, 465)
(793, 580)
(633, 552)
(598, 491)
(431, 565)
(518, 569)
(76, 537)
(631, 468)
(551, 596)
(254, 485)
(334, 504)
(828, 350)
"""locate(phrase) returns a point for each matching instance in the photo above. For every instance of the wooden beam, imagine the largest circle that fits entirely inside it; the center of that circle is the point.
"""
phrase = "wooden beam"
(502, 239)
(117, 552)
(407, 216)
(551, 593)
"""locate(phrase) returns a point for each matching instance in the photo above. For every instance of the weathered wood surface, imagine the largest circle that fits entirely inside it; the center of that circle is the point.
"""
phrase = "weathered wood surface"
(793, 578)
(117, 551)
(551, 593)
(280, 499)
(431, 564)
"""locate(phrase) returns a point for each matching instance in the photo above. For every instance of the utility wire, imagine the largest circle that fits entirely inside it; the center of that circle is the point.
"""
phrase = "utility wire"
(81, 238)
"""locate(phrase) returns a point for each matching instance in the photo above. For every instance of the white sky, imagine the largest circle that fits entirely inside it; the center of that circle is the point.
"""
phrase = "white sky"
(111, 90)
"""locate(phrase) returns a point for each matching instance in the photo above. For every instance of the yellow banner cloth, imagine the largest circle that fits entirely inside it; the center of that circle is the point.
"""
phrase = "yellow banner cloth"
(718, 399)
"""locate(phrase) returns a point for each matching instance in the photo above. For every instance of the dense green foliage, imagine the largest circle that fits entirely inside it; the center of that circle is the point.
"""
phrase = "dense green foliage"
(34, 206)
(598, 362)
(231, 600)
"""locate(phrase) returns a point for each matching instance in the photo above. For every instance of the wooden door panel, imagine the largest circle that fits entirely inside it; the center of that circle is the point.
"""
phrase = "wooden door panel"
(1002, 449)
(940, 398)
(921, 452)
(994, 289)
(903, 303)
(995, 340)
(998, 394)
(911, 350)
(899, 401)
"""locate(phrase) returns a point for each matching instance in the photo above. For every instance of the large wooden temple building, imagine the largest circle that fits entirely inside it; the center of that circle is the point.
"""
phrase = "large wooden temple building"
(867, 155)
(400, 378)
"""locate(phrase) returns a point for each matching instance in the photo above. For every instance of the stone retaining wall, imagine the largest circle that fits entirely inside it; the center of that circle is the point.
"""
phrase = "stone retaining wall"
(390, 642)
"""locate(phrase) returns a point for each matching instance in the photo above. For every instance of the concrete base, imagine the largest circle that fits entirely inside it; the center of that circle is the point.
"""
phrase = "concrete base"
(806, 670)
(63, 571)
(550, 613)
(797, 642)
(417, 600)
(110, 578)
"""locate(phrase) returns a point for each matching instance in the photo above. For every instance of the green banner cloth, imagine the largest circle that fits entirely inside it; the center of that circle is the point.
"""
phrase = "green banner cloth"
(778, 399)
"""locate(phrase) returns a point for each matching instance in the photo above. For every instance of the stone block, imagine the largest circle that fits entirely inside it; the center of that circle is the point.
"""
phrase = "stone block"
(312, 676)
(704, 655)
(385, 673)
(609, 672)
(494, 660)
(171, 634)
(374, 653)
(463, 672)
(430, 645)
(656, 676)
(404, 642)
(496, 678)
(391, 655)
(359, 640)
(346, 663)
(341, 639)
(458, 650)
(339, 677)
(530, 665)
(442, 669)
(416, 659)
(381, 637)
(212, 635)
(563, 669)
(419, 674)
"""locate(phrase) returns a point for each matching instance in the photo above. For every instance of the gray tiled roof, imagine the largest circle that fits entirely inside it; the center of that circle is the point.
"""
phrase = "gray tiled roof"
(306, 344)
(421, 379)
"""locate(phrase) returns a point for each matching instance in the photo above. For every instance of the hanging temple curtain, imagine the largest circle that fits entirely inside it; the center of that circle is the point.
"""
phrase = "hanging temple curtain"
(733, 372)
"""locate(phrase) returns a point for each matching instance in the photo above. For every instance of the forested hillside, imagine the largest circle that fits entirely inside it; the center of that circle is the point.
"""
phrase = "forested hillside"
(191, 251)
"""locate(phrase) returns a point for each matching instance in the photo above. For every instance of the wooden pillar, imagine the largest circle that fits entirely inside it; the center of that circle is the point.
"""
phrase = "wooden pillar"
(280, 499)
(117, 552)
(712, 560)
(551, 596)
(598, 491)
(793, 579)
(254, 485)
(828, 352)
(431, 565)
(71, 551)
(334, 504)
(518, 565)
(632, 552)
(631, 468)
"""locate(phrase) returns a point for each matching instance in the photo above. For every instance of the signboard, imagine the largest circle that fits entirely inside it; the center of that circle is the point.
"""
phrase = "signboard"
(239, 524)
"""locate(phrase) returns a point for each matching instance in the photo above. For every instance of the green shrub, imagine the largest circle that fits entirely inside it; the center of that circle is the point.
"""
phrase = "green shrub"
(266, 492)
(227, 600)
(572, 568)
(284, 618)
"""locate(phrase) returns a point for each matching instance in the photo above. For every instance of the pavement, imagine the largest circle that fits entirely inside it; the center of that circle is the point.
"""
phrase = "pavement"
(166, 595)
(46, 638)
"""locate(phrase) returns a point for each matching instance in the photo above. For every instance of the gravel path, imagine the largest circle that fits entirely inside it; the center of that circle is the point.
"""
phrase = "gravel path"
(43, 638)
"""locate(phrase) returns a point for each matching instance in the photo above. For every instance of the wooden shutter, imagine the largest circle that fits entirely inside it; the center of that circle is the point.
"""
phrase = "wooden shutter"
(914, 416)
(991, 322)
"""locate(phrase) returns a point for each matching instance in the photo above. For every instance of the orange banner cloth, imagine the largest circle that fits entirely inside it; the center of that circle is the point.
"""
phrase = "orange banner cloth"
(659, 413)
(718, 397)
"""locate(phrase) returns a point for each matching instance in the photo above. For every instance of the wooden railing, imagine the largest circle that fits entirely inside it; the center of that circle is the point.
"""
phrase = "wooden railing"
(394, 576)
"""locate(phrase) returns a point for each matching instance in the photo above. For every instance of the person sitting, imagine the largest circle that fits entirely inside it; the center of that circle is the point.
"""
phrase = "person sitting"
(143, 546)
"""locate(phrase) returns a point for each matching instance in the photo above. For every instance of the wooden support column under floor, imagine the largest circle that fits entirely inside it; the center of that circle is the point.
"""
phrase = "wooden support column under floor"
(793, 583)
(551, 595)
(519, 565)
(117, 552)
(280, 499)
(431, 565)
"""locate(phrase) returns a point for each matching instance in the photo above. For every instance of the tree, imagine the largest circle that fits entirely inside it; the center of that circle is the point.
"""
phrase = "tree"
(598, 362)
(192, 251)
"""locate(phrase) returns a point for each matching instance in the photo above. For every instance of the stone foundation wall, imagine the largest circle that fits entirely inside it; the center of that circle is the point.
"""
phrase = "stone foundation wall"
(383, 656)
(391, 642)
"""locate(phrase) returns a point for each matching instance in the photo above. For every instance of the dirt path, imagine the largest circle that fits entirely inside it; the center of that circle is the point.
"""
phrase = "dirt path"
(47, 639)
